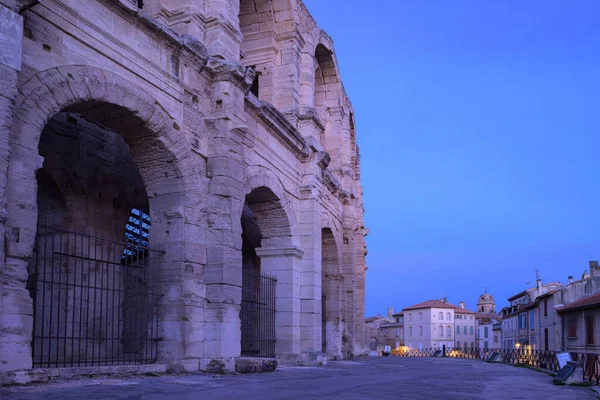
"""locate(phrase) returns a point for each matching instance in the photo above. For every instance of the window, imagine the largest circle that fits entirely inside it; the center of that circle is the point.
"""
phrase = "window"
(410, 316)
(471, 330)
(471, 318)
(481, 309)
(397, 332)
(589, 329)
(410, 331)
(495, 339)
(472, 345)
(572, 331)
(458, 344)
(420, 331)
(441, 316)
(545, 338)
(397, 319)
(465, 329)
(448, 318)
(466, 345)
(546, 309)
(531, 320)
(485, 332)
(522, 321)
(448, 331)
(420, 316)
(441, 331)
(254, 88)
(485, 345)
(458, 330)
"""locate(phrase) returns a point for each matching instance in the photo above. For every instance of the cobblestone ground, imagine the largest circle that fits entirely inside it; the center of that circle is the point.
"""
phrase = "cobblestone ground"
(375, 378)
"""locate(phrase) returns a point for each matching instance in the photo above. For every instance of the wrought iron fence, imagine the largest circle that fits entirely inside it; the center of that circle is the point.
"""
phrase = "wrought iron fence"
(542, 359)
(258, 315)
(95, 300)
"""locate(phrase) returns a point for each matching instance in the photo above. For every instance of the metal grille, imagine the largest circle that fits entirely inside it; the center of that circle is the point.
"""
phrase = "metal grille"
(258, 315)
(94, 299)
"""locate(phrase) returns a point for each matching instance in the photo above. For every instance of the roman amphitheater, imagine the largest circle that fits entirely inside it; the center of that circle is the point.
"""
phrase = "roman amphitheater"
(180, 185)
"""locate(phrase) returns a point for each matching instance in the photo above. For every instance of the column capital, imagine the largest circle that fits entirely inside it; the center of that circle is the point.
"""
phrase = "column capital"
(288, 251)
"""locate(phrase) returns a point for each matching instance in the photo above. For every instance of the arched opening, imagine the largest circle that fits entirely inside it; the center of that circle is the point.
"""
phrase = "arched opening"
(257, 23)
(95, 160)
(331, 297)
(326, 81)
(93, 274)
(266, 235)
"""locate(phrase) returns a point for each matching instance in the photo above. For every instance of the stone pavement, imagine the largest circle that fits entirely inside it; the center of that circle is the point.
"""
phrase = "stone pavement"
(376, 378)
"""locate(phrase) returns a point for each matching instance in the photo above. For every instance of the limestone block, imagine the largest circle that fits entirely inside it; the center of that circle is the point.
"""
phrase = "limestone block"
(255, 365)
(11, 36)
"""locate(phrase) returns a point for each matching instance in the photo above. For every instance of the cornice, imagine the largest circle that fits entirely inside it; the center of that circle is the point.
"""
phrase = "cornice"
(274, 119)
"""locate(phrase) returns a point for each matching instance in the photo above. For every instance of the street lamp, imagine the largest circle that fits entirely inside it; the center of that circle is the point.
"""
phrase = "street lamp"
(518, 345)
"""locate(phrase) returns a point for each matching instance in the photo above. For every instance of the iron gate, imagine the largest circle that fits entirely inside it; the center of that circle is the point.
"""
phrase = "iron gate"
(95, 300)
(258, 315)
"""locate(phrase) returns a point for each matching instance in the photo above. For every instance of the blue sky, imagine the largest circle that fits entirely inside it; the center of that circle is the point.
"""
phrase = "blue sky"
(479, 128)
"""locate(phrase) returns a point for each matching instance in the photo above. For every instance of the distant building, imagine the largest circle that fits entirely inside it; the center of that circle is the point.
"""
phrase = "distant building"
(520, 327)
(578, 313)
(436, 323)
(485, 317)
(378, 329)
(394, 329)
(486, 304)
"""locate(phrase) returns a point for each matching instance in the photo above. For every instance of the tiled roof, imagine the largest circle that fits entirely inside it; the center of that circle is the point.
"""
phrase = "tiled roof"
(438, 304)
(588, 301)
(430, 304)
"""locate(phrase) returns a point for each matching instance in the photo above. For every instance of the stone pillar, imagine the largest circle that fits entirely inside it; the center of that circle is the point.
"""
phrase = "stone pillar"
(283, 262)
(310, 221)
(349, 286)
(222, 29)
(223, 272)
(15, 304)
(360, 292)
(287, 91)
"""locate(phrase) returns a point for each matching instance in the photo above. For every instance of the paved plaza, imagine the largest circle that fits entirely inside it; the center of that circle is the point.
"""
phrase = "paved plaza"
(376, 378)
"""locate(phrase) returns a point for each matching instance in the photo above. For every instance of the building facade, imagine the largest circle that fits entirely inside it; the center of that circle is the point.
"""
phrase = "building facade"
(577, 305)
(179, 184)
(433, 324)
(394, 328)
(520, 320)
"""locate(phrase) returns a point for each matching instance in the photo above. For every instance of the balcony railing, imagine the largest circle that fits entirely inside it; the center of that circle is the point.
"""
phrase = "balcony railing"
(541, 359)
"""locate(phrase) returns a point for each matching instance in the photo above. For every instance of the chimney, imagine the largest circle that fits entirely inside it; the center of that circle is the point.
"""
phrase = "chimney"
(390, 311)
(571, 279)
(445, 299)
(462, 305)
(539, 287)
(594, 270)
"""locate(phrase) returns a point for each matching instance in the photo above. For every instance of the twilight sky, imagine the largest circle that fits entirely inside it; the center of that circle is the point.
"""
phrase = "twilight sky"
(479, 128)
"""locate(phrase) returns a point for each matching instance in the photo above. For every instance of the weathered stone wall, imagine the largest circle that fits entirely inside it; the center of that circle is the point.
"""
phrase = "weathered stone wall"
(169, 86)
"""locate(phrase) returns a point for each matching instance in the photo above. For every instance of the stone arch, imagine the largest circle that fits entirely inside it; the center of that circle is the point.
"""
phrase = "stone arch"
(261, 177)
(266, 203)
(260, 21)
(162, 155)
(320, 75)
